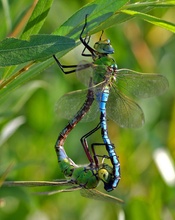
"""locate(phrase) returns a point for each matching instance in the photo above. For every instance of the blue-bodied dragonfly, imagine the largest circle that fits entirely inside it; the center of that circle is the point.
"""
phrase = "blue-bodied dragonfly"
(111, 87)
(67, 165)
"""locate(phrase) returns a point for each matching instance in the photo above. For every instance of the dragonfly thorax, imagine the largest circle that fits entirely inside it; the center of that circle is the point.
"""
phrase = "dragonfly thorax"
(111, 74)
(85, 176)
(104, 47)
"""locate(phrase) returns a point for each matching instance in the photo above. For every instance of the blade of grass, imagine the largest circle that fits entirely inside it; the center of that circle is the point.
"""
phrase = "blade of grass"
(151, 19)
(37, 18)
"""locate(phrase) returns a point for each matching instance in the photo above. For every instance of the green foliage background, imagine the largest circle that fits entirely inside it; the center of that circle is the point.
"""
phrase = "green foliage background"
(29, 112)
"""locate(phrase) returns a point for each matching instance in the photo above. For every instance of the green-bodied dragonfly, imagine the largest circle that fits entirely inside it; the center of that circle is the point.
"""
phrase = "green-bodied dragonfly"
(84, 178)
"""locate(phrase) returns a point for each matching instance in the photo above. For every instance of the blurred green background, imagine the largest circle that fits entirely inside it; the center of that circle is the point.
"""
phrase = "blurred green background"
(30, 111)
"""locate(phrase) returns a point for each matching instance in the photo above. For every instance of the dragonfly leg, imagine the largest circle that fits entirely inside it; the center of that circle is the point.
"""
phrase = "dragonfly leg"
(77, 67)
(85, 144)
(65, 66)
(101, 35)
(96, 155)
(86, 44)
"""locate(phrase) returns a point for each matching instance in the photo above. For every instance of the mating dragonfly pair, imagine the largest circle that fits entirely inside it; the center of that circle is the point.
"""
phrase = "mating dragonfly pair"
(107, 86)
(107, 92)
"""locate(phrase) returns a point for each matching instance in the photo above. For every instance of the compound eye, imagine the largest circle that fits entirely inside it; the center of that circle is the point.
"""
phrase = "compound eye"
(96, 45)
(103, 175)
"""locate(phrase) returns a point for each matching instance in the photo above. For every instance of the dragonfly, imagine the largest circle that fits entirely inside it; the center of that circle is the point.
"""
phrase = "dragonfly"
(110, 147)
(112, 87)
(84, 178)
(67, 165)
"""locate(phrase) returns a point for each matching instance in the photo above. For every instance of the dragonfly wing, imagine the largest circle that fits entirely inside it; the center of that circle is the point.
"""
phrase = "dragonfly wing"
(73, 100)
(141, 85)
(97, 195)
(37, 183)
(71, 189)
(84, 72)
(92, 113)
(72, 185)
(69, 104)
(124, 111)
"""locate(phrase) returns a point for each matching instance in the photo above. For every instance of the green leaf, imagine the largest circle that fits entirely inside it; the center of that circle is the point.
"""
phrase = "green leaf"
(151, 19)
(98, 11)
(151, 5)
(143, 7)
(14, 51)
(33, 26)
(21, 76)
(37, 18)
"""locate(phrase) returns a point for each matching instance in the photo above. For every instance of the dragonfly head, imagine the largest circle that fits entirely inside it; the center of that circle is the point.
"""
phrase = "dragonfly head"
(105, 174)
(104, 47)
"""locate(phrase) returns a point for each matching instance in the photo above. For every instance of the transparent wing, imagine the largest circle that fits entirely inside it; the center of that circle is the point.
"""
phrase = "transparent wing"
(37, 183)
(89, 193)
(123, 110)
(71, 189)
(73, 186)
(69, 104)
(141, 85)
(84, 72)
(97, 195)
(92, 113)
